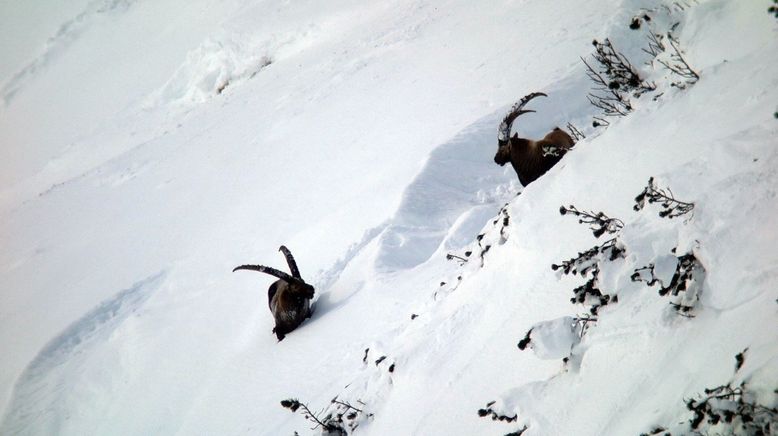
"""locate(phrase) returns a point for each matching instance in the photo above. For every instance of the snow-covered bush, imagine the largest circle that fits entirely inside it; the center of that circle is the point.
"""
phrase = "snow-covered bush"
(552, 339)
(587, 263)
(555, 339)
(488, 411)
(688, 278)
(733, 410)
(615, 80)
(339, 419)
(671, 207)
(598, 221)
(494, 411)
(637, 20)
(497, 234)
(730, 409)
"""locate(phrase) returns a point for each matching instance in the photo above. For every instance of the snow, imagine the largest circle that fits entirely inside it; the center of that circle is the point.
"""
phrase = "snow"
(554, 339)
(147, 148)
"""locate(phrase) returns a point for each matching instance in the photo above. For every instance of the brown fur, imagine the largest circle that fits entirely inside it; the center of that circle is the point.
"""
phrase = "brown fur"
(529, 158)
(289, 297)
(290, 305)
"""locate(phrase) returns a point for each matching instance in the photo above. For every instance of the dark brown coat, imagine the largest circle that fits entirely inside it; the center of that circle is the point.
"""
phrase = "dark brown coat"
(289, 297)
(529, 158)
(290, 305)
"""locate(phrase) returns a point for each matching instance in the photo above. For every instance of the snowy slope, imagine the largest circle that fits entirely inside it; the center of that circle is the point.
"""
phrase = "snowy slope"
(149, 147)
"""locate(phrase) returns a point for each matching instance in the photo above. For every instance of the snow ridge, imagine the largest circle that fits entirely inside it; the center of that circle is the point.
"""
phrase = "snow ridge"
(35, 407)
(448, 201)
(435, 276)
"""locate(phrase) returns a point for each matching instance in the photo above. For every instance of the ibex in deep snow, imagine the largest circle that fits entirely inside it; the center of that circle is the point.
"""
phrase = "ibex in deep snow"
(289, 297)
(530, 159)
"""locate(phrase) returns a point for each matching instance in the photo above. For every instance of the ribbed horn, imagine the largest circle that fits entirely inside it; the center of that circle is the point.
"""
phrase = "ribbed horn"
(268, 270)
(504, 131)
(290, 261)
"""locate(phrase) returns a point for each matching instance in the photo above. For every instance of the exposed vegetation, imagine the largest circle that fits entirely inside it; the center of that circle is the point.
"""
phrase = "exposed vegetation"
(340, 419)
(671, 207)
(615, 82)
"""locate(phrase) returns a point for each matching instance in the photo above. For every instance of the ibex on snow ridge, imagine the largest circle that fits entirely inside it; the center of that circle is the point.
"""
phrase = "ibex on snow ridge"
(529, 158)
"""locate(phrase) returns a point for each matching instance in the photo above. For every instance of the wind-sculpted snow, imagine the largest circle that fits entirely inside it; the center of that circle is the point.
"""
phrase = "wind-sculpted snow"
(209, 69)
(366, 147)
(39, 398)
(554, 339)
(460, 187)
(641, 356)
(325, 279)
(459, 176)
(60, 41)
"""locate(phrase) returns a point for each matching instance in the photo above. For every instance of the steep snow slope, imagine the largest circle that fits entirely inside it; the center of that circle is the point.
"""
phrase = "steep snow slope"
(636, 365)
(171, 141)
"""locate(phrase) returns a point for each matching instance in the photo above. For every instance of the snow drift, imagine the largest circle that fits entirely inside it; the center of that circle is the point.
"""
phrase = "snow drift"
(150, 147)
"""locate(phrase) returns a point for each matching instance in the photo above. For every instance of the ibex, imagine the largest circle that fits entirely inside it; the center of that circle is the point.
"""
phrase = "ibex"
(289, 297)
(530, 159)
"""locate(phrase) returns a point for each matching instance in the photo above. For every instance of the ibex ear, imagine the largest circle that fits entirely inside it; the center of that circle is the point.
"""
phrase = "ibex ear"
(309, 291)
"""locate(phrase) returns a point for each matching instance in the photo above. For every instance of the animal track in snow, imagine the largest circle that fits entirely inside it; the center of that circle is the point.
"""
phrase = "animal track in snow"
(67, 33)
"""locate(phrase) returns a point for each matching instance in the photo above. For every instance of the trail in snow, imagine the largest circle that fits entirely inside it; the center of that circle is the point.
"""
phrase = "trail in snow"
(68, 32)
(317, 150)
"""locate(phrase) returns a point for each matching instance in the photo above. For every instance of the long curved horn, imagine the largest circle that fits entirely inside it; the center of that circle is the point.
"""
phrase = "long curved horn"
(504, 131)
(267, 270)
(290, 261)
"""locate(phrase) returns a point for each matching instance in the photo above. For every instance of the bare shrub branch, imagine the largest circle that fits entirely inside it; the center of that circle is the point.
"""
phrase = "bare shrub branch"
(615, 79)
(598, 221)
(576, 134)
(671, 207)
(678, 64)
(655, 45)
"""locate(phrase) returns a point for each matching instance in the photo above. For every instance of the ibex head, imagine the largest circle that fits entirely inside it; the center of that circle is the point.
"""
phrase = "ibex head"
(288, 297)
(504, 140)
(530, 159)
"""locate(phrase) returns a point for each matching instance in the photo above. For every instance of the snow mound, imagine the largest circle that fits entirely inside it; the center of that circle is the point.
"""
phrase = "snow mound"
(455, 192)
(459, 188)
(209, 69)
(419, 320)
(554, 339)
(49, 376)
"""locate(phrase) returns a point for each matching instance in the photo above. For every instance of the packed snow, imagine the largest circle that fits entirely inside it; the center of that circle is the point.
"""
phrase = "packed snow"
(148, 148)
